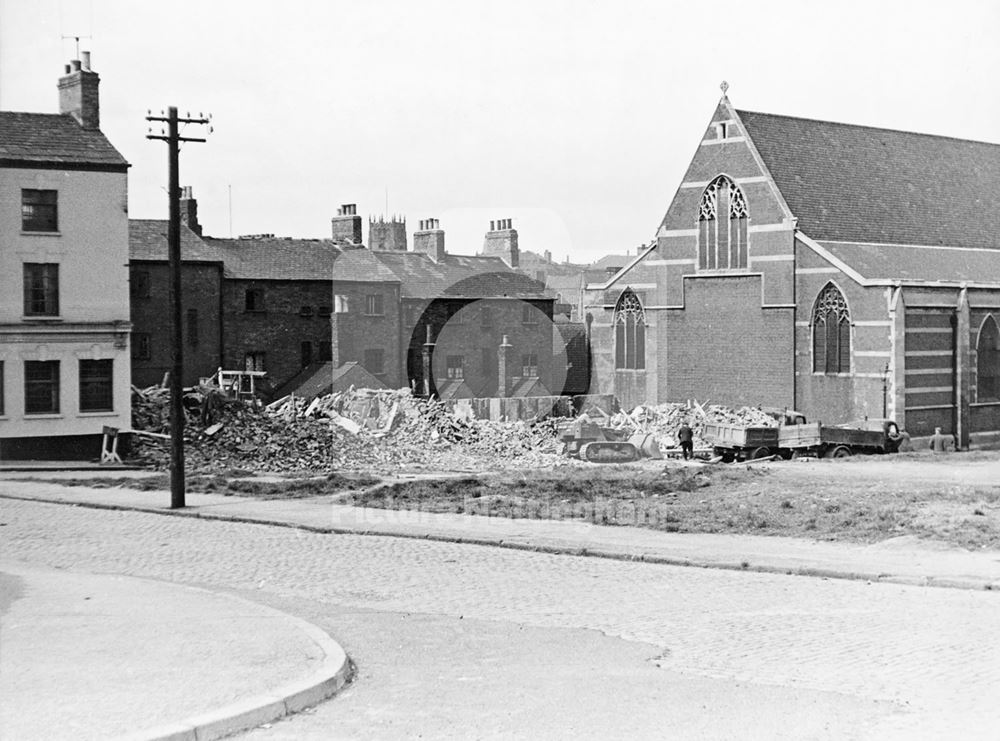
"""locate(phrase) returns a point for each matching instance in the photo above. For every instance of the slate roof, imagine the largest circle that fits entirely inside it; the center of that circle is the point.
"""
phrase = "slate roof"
(147, 240)
(861, 184)
(50, 138)
(458, 276)
(276, 258)
(362, 265)
(611, 261)
(322, 378)
(890, 262)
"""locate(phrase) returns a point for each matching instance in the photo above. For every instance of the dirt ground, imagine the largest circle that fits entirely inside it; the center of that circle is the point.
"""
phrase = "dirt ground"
(953, 498)
(950, 498)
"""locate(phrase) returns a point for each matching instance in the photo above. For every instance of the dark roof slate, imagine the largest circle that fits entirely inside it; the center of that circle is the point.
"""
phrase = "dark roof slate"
(52, 138)
(276, 258)
(861, 184)
(362, 265)
(147, 240)
(890, 262)
(459, 276)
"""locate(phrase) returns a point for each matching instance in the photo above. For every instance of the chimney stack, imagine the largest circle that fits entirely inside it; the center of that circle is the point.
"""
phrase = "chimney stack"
(189, 210)
(501, 241)
(429, 239)
(78, 93)
(346, 225)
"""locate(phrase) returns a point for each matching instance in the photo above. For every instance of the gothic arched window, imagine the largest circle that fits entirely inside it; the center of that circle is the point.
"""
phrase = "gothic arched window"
(722, 226)
(630, 332)
(831, 325)
(988, 361)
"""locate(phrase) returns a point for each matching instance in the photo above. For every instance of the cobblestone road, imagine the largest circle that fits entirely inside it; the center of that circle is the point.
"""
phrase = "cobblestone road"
(932, 651)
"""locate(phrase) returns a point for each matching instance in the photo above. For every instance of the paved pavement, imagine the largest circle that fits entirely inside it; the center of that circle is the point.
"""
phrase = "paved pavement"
(904, 560)
(456, 640)
(98, 656)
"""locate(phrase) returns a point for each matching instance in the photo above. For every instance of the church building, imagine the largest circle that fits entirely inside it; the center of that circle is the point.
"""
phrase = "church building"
(844, 271)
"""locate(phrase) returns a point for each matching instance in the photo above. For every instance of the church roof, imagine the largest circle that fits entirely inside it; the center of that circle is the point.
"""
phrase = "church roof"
(887, 263)
(862, 184)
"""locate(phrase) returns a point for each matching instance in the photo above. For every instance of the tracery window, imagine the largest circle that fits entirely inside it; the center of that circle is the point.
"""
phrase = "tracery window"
(630, 332)
(831, 327)
(988, 361)
(722, 242)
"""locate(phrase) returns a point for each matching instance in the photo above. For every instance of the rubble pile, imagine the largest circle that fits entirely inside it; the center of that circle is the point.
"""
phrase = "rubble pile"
(383, 429)
(369, 429)
(663, 420)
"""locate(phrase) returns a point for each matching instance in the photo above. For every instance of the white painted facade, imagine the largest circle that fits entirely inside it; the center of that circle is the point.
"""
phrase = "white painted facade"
(91, 249)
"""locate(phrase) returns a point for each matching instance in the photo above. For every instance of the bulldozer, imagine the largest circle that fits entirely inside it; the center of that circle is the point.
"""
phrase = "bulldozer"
(589, 441)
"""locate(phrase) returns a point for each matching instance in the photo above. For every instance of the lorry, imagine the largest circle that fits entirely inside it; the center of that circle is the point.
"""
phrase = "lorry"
(733, 441)
(839, 441)
(794, 437)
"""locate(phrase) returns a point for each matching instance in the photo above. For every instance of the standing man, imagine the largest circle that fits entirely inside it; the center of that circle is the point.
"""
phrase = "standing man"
(941, 443)
(686, 438)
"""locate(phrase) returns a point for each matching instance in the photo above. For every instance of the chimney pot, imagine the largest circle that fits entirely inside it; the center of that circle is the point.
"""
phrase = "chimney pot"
(75, 63)
(68, 68)
(85, 59)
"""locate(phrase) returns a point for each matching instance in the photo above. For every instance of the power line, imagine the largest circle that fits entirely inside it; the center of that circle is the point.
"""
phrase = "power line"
(173, 139)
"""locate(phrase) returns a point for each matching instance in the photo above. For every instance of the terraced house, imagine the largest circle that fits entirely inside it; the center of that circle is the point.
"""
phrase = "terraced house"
(64, 304)
(842, 270)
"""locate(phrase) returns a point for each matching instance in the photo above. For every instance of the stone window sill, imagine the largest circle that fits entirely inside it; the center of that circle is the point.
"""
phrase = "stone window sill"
(101, 413)
(43, 415)
(40, 234)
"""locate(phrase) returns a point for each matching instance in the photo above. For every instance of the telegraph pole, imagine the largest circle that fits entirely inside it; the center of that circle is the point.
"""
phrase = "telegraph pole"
(173, 139)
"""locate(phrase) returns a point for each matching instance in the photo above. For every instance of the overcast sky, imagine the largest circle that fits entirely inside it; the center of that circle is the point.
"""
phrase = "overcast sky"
(575, 119)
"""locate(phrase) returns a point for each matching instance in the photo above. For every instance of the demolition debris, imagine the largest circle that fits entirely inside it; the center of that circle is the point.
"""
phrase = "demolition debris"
(383, 430)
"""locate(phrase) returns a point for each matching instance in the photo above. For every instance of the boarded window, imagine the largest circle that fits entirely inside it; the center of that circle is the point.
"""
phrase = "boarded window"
(375, 362)
(306, 352)
(455, 366)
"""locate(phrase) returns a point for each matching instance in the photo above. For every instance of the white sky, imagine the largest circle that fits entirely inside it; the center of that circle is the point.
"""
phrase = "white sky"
(576, 119)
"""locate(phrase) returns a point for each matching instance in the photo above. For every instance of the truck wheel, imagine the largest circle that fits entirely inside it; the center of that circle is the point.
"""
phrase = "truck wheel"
(761, 452)
(728, 456)
(841, 451)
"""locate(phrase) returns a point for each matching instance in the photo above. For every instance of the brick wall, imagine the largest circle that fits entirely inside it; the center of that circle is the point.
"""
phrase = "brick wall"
(458, 328)
(725, 348)
(356, 332)
(279, 329)
(201, 288)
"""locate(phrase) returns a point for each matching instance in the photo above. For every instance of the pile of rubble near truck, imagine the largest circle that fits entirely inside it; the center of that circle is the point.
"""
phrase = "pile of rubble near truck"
(385, 430)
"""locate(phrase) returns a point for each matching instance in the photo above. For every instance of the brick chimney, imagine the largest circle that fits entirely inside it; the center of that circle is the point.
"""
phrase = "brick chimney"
(429, 239)
(78, 93)
(189, 210)
(346, 225)
(501, 241)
